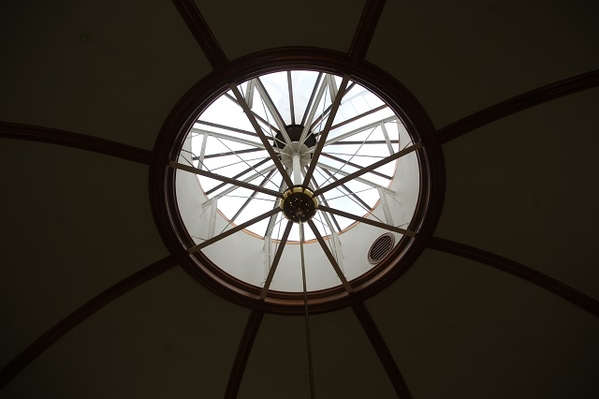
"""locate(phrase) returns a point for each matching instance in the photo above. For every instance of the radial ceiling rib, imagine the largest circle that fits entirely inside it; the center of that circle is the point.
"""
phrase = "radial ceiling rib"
(381, 349)
(75, 140)
(369, 168)
(509, 266)
(71, 321)
(241, 183)
(365, 30)
(521, 102)
(243, 353)
(202, 33)
(237, 228)
(367, 221)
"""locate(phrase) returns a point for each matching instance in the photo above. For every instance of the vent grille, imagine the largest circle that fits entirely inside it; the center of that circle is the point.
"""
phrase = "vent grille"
(381, 248)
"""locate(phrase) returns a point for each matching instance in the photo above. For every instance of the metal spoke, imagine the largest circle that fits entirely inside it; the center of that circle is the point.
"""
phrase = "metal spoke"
(372, 125)
(358, 142)
(327, 128)
(275, 261)
(355, 118)
(290, 91)
(309, 106)
(330, 256)
(368, 221)
(226, 154)
(262, 136)
(176, 165)
(238, 175)
(227, 233)
(227, 137)
(324, 113)
(352, 195)
(370, 168)
(251, 197)
(267, 100)
(255, 115)
(344, 173)
(225, 127)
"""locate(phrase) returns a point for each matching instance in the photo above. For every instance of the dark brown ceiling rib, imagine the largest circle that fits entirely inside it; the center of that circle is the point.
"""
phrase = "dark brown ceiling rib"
(381, 349)
(365, 30)
(243, 353)
(523, 101)
(509, 266)
(76, 140)
(16, 365)
(202, 33)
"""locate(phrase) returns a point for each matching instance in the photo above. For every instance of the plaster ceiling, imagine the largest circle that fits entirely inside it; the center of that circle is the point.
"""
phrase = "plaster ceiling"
(77, 222)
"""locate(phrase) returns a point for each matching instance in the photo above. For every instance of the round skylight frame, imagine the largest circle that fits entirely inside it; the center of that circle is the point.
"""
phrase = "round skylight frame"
(172, 227)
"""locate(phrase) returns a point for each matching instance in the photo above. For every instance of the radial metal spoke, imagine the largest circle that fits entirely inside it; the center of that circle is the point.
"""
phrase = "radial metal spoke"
(226, 154)
(368, 142)
(318, 120)
(255, 115)
(324, 201)
(355, 165)
(355, 118)
(176, 165)
(235, 229)
(352, 195)
(327, 128)
(371, 222)
(261, 135)
(330, 256)
(361, 129)
(238, 175)
(225, 127)
(310, 106)
(344, 173)
(370, 168)
(246, 180)
(290, 91)
(275, 261)
(227, 137)
(273, 110)
(251, 197)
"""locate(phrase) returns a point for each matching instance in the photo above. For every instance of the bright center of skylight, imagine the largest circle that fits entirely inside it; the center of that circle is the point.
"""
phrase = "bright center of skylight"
(292, 110)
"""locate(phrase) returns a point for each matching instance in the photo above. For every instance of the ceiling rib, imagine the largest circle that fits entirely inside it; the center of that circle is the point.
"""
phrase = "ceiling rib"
(518, 103)
(81, 141)
(201, 32)
(516, 269)
(16, 365)
(381, 349)
(243, 353)
(365, 30)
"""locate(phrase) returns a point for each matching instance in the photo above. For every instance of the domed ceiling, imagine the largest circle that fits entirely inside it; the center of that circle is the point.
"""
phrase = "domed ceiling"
(492, 291)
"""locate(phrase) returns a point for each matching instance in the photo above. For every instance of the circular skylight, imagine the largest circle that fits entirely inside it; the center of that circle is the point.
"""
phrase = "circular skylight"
(292, 169)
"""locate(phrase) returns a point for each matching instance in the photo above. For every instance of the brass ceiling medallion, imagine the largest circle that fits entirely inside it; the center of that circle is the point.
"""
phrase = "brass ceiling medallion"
(289, 141)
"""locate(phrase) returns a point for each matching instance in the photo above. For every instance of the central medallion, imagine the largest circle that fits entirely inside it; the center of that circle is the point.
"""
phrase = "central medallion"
(299, 204)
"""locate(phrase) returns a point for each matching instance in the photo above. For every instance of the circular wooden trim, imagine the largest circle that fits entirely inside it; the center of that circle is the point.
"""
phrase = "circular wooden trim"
(202, 94)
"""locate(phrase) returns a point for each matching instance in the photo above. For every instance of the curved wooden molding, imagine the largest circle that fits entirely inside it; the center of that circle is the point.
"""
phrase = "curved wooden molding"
(365, 30)
(15, 366)
(81, 141)
(381, 349)
(243, 353)
(201, 32)
(509, 266)
(523, 101)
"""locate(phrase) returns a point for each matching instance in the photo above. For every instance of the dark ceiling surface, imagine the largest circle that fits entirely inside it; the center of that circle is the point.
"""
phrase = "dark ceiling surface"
(518, 189)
